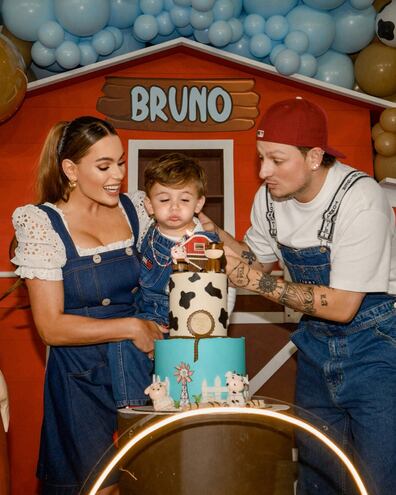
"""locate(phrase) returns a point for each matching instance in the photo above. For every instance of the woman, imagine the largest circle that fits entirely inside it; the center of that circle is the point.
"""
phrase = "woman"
(333, 228)
(77, 251)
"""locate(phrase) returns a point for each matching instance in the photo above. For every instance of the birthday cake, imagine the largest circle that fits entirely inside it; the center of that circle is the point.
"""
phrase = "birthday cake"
(198, 364)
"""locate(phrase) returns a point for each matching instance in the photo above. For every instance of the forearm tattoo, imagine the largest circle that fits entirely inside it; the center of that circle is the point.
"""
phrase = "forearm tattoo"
(299, 297)
(248, 256)
(238, 276)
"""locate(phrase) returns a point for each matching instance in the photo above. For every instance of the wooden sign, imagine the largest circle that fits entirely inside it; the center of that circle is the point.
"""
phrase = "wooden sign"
(179, 105)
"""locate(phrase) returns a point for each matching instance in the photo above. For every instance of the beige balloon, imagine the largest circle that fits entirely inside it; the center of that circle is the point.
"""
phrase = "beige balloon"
(388, 119)
(24, 47)
(375, 70)
(376, 130)
(384, 166)
(385, 144)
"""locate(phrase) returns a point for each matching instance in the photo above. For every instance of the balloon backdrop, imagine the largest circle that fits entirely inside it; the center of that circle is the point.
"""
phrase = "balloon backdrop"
(383, 134)
(13, 81)
(347, 43)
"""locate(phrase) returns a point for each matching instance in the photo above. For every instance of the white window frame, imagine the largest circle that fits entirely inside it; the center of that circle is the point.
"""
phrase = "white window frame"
(227, 145)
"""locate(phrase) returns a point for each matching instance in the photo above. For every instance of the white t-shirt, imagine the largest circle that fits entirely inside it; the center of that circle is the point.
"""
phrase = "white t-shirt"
(363, 251)
(41, 253)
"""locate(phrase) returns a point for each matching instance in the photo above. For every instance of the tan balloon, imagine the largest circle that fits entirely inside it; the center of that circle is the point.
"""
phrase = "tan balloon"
(378, 4)
(384, 166)
(388, 119)
(375, 70)
(385, 143)
(376, 130)
(13, 81)
(24, 47)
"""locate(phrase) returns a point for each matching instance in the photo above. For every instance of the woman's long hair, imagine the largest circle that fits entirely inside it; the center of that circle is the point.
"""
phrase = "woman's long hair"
(66, 140)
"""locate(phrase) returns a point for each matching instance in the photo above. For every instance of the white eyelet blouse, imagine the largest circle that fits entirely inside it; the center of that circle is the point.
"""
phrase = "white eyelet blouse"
(41, 253)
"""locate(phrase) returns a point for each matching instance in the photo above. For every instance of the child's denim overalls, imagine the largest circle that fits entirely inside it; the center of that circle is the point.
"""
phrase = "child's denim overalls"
(79, 409)
(153, 301)
(346, 373)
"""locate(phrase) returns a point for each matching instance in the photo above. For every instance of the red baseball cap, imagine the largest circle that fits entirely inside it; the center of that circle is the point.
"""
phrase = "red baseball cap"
(297, 122)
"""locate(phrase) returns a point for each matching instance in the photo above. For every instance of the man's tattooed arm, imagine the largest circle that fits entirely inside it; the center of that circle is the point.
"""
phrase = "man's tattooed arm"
(248, 256)
(300, 297)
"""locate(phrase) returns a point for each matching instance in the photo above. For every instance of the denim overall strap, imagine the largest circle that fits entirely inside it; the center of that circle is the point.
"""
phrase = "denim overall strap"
(60, 228)
(132, 215)
(326, 231)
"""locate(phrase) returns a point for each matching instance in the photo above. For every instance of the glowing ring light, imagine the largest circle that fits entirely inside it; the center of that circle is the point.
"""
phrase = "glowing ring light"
(179, 417)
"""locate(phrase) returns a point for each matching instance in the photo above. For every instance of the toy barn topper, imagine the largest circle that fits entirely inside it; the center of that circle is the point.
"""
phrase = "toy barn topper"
(182, 105)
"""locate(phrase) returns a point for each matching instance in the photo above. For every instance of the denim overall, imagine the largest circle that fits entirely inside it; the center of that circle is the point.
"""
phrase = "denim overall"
(153, 303)
(346, 375)
(79, 409)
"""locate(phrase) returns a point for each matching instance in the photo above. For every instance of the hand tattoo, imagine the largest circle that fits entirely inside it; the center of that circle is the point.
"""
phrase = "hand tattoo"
(248, 256)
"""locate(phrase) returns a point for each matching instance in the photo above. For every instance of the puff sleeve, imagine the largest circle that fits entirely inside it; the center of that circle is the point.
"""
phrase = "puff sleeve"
(40, 252)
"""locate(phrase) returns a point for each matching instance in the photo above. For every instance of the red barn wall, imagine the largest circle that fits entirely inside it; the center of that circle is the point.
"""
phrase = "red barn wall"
(22, 355)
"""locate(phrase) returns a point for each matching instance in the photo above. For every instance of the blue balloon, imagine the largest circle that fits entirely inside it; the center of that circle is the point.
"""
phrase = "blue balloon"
(336, 68)
(202, 5)
(88, 54)
(318, 26)
(183, 3)
(68, 55)
(123, 13)
(117, 33)
(323, 4)
(42, 55)
(161, 39)
(267, 8)
(253, 24)
(308, 65)
(145, 27)
(169, 4)
(355, 28)
(201, 20)
(297, 41)
(237, 29)
(260, 45)
(287, 62)
(276, 27)
(186, 32)
(82, 17)
(202, 35)
(361, 4)
(223, 10)
(220, 33)
(151, 7)
(51, 34)
(275, 51)
(75, 39)
(180, 16)
(129, 44)
(238, 6)
(24, 17)
(165, 24)
(103, 42)
(240, 47)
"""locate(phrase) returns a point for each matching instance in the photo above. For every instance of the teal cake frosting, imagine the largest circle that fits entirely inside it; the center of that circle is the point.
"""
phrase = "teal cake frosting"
(202, 379)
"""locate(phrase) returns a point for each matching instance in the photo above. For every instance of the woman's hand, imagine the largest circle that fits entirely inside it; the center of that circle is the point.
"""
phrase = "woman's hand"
(144, 334)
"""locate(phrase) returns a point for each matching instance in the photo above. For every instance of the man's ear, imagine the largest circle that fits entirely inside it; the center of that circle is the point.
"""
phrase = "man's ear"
(315, 156)
(70, 170)
(200, 204)
(148, 205)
